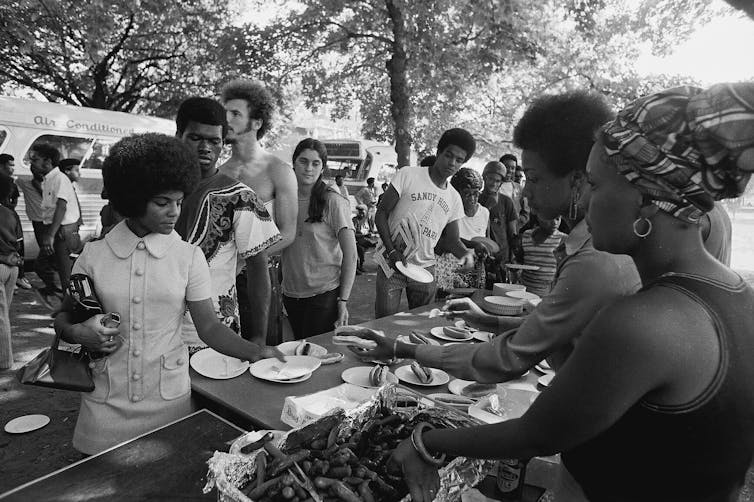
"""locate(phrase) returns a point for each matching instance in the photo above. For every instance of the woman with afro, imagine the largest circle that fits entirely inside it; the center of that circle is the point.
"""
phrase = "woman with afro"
(143, 270)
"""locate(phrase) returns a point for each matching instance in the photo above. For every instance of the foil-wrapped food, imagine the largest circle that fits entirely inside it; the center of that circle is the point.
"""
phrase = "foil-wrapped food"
(343, 456)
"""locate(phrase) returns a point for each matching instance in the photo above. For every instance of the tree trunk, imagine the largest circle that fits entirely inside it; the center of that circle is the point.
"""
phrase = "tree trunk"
(400, 105)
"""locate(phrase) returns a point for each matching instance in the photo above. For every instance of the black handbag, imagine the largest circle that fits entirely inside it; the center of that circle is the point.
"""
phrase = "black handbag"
(59, 369)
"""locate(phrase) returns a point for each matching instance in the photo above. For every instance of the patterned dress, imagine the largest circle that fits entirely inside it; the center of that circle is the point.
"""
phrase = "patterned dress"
(227, 220)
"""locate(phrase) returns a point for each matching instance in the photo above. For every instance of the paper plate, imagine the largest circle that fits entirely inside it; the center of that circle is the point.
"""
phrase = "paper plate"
(439, 377)
(511, 404)
(295, 369)
(289, 348)
(210, 363)
(483, 336)
(360, 376)
(457, 385)
(545, 379)
(414, 272)
(437, 333)
(26, 423)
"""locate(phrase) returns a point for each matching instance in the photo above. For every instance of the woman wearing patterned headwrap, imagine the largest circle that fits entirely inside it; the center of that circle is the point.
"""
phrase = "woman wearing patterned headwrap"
(475, 224)
(655, 402)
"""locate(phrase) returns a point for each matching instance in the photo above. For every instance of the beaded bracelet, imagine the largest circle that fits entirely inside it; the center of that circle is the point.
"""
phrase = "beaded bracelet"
(416, 441)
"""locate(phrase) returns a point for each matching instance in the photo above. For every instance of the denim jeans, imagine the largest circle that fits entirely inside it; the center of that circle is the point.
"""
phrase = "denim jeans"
(314, 315)
(389, 292)
(275, 316)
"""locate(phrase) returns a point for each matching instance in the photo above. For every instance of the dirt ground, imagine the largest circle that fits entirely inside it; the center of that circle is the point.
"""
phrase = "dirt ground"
(25, 457)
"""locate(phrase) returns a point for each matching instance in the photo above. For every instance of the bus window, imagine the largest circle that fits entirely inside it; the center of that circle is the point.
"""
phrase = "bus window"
(349, 168)
(3, 137)
(69, 147)
(100, 150)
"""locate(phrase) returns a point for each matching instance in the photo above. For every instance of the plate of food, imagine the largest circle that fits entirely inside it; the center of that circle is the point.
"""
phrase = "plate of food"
(418, 338)
(212, 364)
(451, 333)
(414, 272)
(416, 374)
(505, 404)
(295, 369)
(301, 348)
(471, 389)
(483, 336)
(368, 376)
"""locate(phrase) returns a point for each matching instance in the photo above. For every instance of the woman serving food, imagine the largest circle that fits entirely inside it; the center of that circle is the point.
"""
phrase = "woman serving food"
(655, 401)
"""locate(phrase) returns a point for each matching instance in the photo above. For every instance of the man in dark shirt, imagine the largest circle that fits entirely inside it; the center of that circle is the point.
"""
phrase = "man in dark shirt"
(503, 218)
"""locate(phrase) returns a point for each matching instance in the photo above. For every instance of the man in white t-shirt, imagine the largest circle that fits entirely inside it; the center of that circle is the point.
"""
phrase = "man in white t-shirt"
(419, 206)
(59, 236)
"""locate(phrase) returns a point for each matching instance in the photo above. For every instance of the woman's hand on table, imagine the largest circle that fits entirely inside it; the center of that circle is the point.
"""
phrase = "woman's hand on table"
(266, 352)
(96, 337)
(422, 479)
(468, 311)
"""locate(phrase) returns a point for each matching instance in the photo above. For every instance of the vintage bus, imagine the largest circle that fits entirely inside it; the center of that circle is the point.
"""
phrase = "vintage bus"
(358, 160)
(77, 132)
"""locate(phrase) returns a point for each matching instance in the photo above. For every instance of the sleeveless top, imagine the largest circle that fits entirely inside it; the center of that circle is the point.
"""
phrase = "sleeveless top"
(698, 451)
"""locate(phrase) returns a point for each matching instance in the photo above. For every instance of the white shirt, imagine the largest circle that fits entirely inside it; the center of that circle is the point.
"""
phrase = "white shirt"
(56, 185)
(433, 208)
(474, 226)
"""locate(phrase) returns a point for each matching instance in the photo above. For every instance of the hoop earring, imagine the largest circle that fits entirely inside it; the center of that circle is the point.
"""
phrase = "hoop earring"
(573, 207)
(649, 227)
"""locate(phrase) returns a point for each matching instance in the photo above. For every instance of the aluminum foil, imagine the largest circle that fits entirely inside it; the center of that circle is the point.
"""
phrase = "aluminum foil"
(228, 472)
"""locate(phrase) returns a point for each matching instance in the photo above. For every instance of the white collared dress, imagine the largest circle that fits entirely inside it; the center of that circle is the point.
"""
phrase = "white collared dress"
(145, 384)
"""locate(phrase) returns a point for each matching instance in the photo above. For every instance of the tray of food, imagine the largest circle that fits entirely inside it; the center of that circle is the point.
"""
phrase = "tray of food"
(344, 456)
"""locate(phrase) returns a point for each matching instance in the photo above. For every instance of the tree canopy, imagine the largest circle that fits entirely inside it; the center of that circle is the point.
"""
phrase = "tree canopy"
(121, 55)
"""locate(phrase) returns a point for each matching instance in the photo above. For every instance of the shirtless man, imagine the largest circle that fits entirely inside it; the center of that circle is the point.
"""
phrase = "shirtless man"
(249, 106)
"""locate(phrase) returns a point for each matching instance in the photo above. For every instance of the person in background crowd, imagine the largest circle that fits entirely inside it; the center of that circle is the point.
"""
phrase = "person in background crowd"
(428, 161)
(109, 217)
(660, 383)
(368, 197)
(384, 187)
(145, 272)
(71, 168)
(249, 107)
(62, 214)
(340, 187)
(514, 190)
(10, 259)
(320, 266)
(364, 239)
(519, 176)
(7, 164)
(475, 223)
(538, 249)
(32, 190)
(556, 134)
(226, 219)
(503, 219)
(422, 198)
